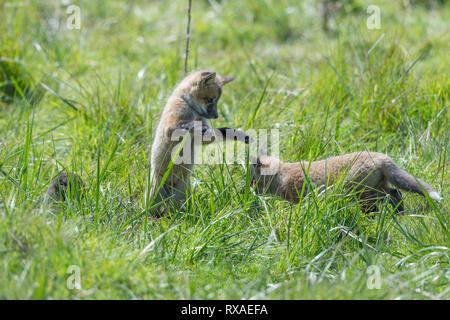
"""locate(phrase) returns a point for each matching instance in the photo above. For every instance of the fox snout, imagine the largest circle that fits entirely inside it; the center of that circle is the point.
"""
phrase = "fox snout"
(212, 111)
(213, 115)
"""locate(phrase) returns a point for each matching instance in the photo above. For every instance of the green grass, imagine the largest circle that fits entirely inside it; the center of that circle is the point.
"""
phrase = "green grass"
(86, 101)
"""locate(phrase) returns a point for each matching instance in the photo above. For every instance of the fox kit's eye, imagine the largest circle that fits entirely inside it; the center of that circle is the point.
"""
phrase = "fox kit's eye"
(209, 100)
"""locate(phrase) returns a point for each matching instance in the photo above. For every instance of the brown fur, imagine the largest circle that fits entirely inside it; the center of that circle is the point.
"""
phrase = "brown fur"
(368, 173)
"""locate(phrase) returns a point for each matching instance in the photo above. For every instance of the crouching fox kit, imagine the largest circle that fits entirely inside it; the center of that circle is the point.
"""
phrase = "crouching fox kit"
(368, 173)
(192, 102)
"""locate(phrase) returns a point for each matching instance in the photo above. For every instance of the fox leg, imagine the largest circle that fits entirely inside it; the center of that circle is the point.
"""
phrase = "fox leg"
(395, 196)
(396, 200)
(368, 201)
(168, 199)
(369, 207)
(160, 199)
(207, 135)
(169, 196)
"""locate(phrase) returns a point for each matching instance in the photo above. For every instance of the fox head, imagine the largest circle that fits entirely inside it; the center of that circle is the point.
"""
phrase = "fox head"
(204, 93)
(264, 173)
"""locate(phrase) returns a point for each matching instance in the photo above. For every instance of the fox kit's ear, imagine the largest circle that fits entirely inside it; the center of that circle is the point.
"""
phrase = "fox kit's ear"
(256, 162)
(207, 79)
(224, 80)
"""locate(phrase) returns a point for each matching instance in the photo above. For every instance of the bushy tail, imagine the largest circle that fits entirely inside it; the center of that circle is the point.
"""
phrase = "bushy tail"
(403, 180)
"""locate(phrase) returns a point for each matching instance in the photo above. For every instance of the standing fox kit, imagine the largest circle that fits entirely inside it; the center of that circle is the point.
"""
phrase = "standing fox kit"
(368, 173)
(192, 102)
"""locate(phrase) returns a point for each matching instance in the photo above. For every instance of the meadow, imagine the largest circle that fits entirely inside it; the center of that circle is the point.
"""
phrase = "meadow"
(87, 100)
